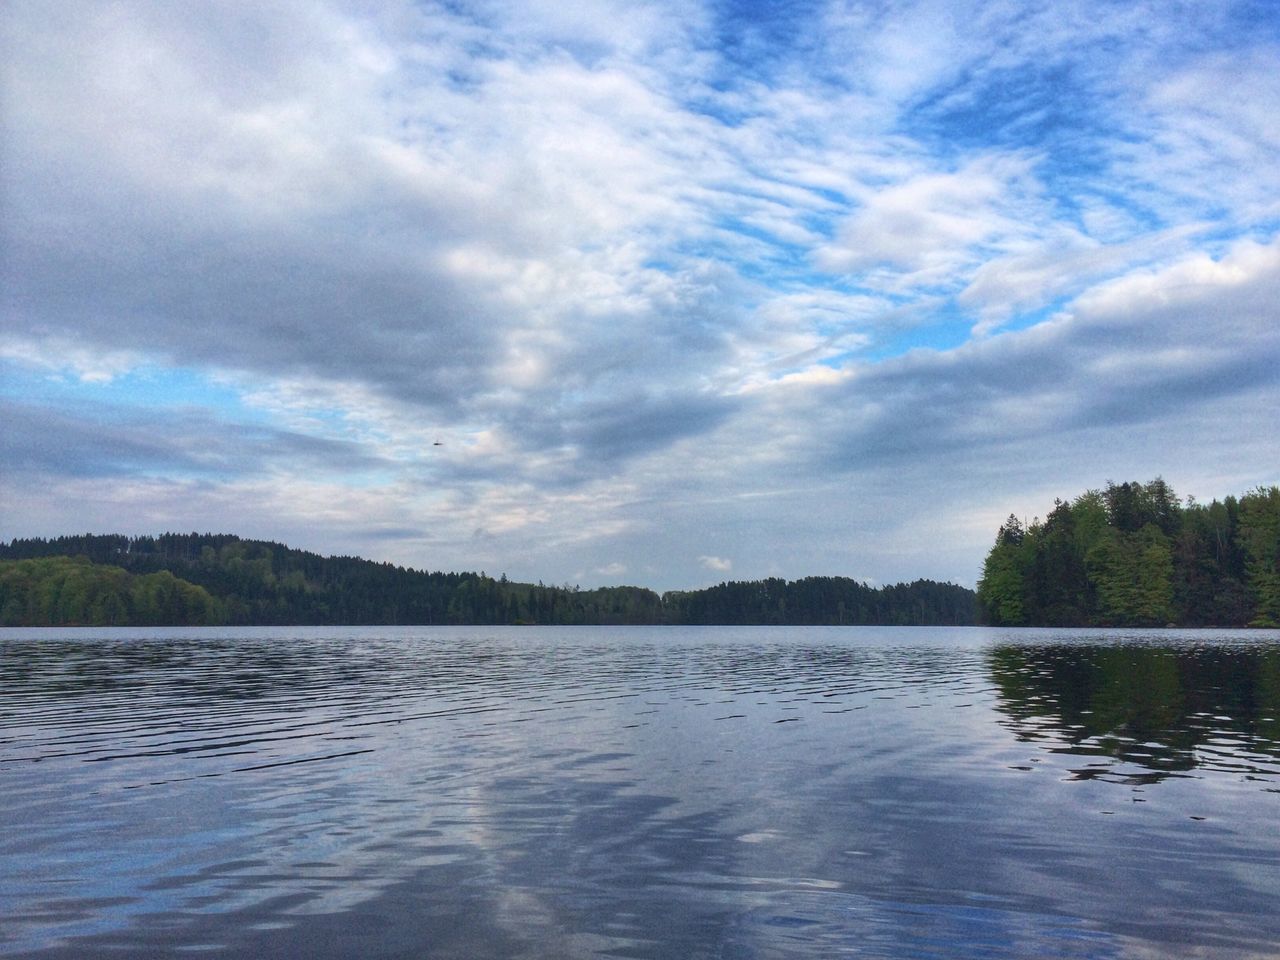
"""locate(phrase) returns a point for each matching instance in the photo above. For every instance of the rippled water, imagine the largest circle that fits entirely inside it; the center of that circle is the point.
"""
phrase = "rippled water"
(634, 792)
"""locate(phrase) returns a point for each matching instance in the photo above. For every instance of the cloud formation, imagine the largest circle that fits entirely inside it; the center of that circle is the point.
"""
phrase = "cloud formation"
(631, 287)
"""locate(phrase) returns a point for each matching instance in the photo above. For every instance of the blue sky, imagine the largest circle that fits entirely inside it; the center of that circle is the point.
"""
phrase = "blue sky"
(657, 293)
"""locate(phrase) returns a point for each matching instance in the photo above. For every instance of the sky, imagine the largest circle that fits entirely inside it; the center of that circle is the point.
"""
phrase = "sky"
(639, 292)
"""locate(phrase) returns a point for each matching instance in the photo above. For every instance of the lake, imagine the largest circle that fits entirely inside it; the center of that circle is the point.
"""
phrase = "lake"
(480, 792)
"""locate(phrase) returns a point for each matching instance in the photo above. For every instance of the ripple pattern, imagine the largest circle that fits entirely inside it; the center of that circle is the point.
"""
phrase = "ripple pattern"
(637, 792)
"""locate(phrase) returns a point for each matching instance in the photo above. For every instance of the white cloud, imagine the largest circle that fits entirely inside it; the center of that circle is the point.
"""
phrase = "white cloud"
(1034, 276)
(62, 356)
(718, 564)
(930, 230)
(623, 276)
(1209, 136)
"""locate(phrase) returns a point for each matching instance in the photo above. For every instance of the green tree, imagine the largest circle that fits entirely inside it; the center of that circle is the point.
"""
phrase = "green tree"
(1133, 577)
(1058, 591)
(1259, 534)
(1003, 588)
(1155, 577)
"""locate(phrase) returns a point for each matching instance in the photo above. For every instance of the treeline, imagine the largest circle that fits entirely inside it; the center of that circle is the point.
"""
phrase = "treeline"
(261, 583)
(62, 590)
(257, 582)
(1134, 554)
(823, 601)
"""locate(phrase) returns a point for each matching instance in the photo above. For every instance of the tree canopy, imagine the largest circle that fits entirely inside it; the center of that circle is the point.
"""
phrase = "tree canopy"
(51, 591)
(1133, 554)
(47, 582)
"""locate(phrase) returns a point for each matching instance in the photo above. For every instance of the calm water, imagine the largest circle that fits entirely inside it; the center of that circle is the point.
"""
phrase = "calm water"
(634, 792)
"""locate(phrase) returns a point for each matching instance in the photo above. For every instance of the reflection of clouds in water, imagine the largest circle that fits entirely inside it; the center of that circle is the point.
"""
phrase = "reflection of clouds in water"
(543, 792)
(731, 786)
(801, 922)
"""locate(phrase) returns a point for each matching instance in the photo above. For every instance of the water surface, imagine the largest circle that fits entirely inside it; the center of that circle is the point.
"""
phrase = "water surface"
(636, 792)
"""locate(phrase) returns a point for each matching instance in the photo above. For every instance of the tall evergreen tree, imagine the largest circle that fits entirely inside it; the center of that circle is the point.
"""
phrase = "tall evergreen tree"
(1260, 539)
(1133, 554)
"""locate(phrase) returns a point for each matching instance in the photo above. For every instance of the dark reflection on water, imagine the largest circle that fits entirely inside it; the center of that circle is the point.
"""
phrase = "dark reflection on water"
(635, 792)
(1167, 709)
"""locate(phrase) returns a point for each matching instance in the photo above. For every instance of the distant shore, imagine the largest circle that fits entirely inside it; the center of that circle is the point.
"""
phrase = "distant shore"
(214, 579)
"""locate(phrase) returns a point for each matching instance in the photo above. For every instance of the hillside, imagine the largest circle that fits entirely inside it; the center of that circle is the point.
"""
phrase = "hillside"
(103, 580)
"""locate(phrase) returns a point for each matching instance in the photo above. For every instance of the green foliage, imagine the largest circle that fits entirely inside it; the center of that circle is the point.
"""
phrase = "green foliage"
(822, 601)
(62, 591)
(1132, 574)
(1135, 555)
(1057, 588)
(1259, 530)
(1001, 591)
(257, 582)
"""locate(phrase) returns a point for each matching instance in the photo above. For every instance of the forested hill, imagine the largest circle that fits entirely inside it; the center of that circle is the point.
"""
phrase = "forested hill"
(194, 579)
(1135, 555)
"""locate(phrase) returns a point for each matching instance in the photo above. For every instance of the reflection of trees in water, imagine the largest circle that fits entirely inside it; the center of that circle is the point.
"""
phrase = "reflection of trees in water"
(1166, 709)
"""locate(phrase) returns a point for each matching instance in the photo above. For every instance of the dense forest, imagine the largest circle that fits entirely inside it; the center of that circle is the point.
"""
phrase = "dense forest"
(1134, 554)
(60, 590)
(206, 579)
(818, 601)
